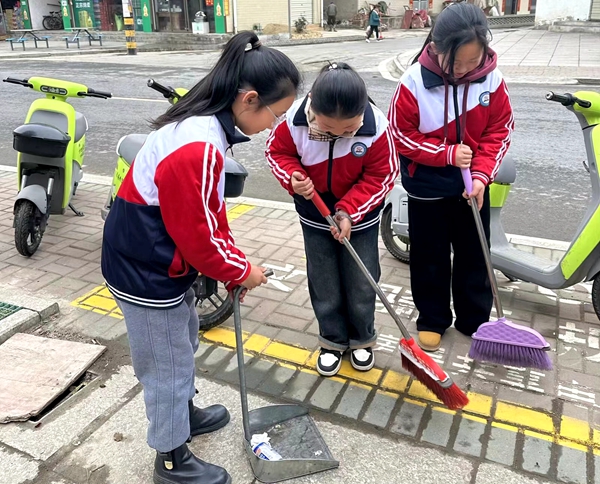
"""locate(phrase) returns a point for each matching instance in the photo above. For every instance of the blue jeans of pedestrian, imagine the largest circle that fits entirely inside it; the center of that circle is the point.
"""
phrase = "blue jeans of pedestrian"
(343, 300)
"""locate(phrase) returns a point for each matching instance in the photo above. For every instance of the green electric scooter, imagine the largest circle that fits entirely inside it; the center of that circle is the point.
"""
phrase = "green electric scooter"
(51, 148)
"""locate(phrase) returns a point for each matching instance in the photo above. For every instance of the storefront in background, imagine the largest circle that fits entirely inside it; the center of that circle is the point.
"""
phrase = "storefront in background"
(178, 15)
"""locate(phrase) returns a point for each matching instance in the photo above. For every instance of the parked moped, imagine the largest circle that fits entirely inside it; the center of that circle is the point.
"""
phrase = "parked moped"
(51, 149)
(580, 263)
(213, 303)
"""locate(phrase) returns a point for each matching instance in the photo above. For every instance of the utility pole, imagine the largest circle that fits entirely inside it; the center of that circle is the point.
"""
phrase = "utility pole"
(290, 18)
(129, 27)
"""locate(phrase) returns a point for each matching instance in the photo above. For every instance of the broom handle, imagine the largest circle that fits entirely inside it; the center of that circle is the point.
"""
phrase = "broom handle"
(466, 174)
(324, 210)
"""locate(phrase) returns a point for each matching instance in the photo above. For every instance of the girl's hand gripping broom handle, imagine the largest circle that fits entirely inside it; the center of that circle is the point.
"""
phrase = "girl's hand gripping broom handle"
(324, 210)
(468, 180)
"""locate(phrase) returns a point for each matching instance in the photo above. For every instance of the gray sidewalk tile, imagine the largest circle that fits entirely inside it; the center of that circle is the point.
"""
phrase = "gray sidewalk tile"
(408, 419)
(326, 393)
(501, 446)
(469, 437)
(300, 386)
(536, 455)
(352, 401)
(216, 359)
(572, 466)
(438, 428)
(380, 409)
(277, 380)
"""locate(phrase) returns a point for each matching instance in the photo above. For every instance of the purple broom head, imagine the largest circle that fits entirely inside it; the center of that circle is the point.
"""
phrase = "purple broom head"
(505, 343)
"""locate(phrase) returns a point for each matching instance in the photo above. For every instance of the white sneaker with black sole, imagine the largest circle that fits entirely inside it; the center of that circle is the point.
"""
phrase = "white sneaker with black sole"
(329, 362)
(362, 359)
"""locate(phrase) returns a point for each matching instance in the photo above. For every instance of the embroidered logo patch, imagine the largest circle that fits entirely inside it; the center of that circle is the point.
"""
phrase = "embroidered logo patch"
(484, 99)
(359, 149)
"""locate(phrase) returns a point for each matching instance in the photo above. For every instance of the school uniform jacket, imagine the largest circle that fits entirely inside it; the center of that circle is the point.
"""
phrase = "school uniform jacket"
(169, 220)
(351, 174)
(429, 116)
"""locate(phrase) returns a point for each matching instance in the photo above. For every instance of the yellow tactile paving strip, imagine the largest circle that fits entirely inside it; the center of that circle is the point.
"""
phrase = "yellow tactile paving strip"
(99, 299)
(569, 432)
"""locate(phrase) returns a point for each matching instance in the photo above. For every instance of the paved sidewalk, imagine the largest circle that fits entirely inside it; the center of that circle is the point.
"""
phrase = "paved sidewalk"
(58, 49)
(538, 423)
(539, 56)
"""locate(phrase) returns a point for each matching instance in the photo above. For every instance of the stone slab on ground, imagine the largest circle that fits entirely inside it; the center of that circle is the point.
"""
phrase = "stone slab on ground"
(34, 371)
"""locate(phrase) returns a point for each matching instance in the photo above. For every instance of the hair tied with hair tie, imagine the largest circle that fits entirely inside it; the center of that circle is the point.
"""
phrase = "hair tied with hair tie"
(252, 46)
(332, 66)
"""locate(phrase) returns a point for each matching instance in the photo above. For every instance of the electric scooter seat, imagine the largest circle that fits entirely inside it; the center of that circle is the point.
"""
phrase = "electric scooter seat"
(130, 145)
(507, 173)
(81, 126)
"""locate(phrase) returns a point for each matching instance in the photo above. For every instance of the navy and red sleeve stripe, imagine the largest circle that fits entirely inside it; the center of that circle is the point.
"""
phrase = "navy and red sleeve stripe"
(194, 214)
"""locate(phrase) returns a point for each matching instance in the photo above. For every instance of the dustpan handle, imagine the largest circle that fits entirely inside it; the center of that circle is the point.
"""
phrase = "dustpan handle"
(468, 180)
(239, 349)
(324, 210)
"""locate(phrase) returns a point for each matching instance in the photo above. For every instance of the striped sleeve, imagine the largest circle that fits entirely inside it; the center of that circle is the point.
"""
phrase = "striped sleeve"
(380, 171)
(410, 142)
(193, 214)
(496, 137)
(282, 156)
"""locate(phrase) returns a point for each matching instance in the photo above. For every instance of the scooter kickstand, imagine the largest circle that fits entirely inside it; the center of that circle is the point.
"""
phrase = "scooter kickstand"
(75, 211)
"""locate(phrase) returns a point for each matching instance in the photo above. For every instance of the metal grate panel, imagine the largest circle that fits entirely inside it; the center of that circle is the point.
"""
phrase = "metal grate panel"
(7, 309)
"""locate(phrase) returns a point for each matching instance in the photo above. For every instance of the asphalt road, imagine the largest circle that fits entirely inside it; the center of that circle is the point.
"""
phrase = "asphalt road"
(548, 199)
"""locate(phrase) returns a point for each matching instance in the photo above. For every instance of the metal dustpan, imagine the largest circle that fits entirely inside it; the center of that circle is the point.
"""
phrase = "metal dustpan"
(292, 432)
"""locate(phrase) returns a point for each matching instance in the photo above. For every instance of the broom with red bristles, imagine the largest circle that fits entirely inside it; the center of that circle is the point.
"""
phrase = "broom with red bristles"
(414, 359)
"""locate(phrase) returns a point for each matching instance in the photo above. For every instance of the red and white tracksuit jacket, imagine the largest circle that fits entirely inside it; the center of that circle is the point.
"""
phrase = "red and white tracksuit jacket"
(169, 219)
(423, 119)
(351, 174)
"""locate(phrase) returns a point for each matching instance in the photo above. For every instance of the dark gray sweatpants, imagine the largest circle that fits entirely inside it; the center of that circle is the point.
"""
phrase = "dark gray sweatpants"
(163, 343)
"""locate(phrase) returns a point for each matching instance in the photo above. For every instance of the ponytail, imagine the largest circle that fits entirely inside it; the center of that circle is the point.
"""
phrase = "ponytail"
(244, 64)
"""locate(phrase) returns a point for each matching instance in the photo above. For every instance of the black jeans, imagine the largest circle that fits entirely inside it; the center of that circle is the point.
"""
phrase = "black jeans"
(435, 226)
(373, 30)
(341, 296)
(331, 19)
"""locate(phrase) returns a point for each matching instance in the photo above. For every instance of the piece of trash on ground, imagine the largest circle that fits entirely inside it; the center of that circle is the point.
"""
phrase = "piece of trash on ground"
(262, 448)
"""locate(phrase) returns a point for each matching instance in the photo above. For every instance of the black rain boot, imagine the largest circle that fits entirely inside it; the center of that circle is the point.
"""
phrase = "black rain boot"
(206, 420)
(180, 466)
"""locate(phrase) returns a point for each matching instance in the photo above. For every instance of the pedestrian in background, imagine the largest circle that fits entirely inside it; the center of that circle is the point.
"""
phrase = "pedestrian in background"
(451, 110)
(332, 16)
(374, 22)
(337, 143)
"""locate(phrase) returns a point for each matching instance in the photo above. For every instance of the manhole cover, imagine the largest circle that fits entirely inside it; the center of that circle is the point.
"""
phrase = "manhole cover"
(7, 309)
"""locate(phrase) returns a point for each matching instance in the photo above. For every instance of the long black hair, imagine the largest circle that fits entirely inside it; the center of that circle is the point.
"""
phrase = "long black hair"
(457, 25)
(244, 64)
(339, 92)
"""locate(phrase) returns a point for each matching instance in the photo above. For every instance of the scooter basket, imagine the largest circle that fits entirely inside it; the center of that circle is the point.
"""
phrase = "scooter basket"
(40, 140)
(235, 177)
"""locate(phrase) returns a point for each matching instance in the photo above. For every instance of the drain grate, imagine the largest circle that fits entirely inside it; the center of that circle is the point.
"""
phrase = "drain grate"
(7, 309)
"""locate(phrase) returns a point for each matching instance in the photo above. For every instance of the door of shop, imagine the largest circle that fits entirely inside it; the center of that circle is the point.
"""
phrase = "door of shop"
(172, 15)
(300, 8)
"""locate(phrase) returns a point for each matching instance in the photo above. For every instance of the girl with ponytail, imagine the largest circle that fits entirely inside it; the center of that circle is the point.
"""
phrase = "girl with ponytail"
(168, 222)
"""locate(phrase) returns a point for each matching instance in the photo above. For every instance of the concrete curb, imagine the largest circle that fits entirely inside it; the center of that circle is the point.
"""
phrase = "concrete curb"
(277, 205)
(34, 310)
(401, 62)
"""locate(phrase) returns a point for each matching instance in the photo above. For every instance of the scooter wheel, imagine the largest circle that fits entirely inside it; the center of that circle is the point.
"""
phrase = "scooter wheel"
(28, 233)
(398, 246)
(214, 310)
(596, 295)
